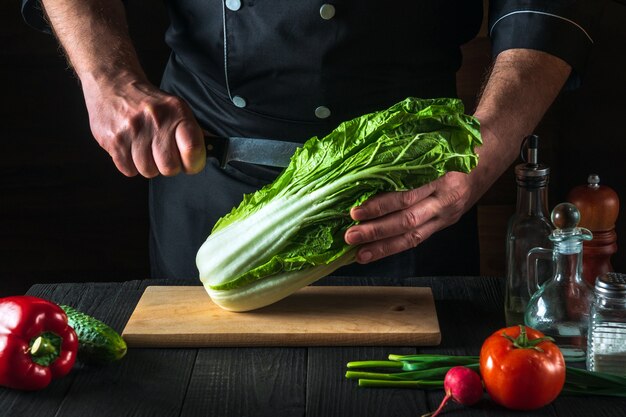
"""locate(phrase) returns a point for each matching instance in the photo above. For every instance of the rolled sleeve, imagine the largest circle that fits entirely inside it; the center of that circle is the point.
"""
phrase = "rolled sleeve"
(33, 14)
(563, 28)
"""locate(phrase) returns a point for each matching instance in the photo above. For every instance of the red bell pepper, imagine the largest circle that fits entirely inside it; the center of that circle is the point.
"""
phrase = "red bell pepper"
(36, 343)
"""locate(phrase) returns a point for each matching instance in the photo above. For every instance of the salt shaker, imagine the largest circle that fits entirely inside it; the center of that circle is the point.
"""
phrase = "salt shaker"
(606, 350)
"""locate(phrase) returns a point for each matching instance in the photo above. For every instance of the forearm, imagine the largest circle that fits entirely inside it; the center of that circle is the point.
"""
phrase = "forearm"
(520, 89)
(95, 38)
(144, 130)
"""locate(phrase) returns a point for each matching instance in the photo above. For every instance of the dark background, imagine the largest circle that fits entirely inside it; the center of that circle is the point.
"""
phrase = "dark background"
(67, 215)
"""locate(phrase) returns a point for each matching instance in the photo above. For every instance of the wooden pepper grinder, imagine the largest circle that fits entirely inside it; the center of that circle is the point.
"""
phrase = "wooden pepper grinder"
(599, 207)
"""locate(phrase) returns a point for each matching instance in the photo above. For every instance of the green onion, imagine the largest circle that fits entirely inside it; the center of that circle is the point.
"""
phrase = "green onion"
(375, 383)
(426, 371)
(427, 374)
(582, 382)
(424, 357)
(374, 364)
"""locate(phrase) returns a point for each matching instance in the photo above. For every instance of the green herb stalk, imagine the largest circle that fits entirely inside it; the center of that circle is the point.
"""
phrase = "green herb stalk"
(426, 372)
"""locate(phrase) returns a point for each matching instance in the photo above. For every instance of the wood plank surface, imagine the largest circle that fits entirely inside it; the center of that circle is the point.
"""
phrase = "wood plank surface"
(154, 381)
(279, 381)
(330, 394)
(471, 305)
(247, 382)
(313, 316)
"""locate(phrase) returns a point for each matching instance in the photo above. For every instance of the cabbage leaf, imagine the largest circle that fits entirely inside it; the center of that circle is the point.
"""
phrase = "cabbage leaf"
(291, 232)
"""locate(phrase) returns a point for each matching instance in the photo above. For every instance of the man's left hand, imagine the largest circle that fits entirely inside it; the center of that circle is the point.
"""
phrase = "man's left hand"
(394, 222)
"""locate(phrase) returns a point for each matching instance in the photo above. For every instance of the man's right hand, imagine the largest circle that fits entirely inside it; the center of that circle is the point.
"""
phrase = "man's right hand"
(145, 130)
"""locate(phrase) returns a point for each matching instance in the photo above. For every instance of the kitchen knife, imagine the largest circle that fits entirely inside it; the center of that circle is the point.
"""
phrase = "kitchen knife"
(268, 152)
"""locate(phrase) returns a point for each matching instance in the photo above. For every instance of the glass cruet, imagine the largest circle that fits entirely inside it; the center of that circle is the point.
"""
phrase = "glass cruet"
(529, 227)
(559, 308)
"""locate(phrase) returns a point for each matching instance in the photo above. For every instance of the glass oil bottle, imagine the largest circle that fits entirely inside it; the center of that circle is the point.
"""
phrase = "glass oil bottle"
(529, 227)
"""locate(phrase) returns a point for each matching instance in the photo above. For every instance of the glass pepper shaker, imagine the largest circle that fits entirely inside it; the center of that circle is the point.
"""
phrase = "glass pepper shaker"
(607, 325)
(529, 227)
(560, 307)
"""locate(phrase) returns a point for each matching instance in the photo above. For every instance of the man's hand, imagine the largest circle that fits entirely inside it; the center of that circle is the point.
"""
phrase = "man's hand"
(397, 221)
(145, 130)
(522, 85)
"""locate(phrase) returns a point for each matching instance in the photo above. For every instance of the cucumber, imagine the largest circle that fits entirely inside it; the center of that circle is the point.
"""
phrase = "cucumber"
(97, 342)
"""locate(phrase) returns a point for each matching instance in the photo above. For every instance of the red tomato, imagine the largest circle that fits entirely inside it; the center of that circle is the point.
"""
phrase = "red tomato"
(521, 369)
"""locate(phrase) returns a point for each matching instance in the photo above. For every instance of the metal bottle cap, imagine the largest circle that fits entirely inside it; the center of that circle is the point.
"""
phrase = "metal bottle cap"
(531, 174)
(593, 181)
(611, 284)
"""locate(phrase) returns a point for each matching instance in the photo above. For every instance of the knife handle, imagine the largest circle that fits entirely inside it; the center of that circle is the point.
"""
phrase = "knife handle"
(216, 147)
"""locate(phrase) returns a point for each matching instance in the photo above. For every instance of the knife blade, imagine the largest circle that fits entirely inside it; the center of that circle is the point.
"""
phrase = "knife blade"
(268, 152)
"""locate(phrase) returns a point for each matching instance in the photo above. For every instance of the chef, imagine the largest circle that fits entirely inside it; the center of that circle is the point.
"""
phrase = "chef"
(289, 70)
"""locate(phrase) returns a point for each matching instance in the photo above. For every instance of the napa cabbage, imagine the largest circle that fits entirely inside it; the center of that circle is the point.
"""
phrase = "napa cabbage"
(291, 232)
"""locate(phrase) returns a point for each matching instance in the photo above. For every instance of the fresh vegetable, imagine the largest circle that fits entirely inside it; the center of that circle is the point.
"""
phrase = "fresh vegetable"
(462, 385)
(522, 369)
(583, 382)
(291, 232)
(98, 343)
(408, 371)
(426, 371)
(36, 343)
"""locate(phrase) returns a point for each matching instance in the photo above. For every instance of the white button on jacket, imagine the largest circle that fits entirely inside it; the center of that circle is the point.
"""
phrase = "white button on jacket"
(239, 101)
(327, 11)
(233, 5)
(322, 112)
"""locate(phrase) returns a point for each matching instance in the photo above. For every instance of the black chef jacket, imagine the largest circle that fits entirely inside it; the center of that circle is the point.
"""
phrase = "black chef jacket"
(289, 70)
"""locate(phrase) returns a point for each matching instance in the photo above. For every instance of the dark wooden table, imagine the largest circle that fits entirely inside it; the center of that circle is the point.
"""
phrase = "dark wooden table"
(224, 382)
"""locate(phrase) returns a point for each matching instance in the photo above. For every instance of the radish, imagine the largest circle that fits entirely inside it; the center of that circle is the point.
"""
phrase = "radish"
(462, 385)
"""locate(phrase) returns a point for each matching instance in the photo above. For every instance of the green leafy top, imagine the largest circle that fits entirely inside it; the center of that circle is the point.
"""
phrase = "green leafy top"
(299, 220)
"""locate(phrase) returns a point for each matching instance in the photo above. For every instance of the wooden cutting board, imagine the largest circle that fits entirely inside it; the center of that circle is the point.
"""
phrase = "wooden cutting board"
(170, 316)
